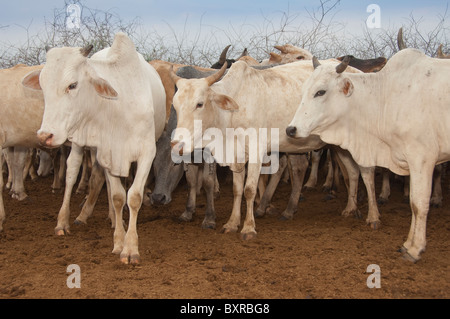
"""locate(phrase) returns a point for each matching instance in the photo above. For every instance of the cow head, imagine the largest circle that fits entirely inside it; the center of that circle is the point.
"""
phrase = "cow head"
(70, 86)
(327, 83)
(290, 53)
(195, 100)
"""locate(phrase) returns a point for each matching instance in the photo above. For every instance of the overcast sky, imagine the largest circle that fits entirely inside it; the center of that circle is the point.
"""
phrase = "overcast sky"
(17, 15)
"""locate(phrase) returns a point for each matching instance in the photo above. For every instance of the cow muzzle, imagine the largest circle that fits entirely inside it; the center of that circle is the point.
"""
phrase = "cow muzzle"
(291, 131)
(45, 139)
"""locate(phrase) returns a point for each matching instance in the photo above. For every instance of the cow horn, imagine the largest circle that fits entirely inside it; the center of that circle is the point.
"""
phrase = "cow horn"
(223, 56)
(216, 76)
(316, 62)
(86, 50)
(401, 44)
(175, 78)
(244, 53)
(343, 65)
(281, 48)
(441, 54)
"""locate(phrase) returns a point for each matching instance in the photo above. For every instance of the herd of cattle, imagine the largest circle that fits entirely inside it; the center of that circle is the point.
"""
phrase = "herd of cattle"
(118, 116)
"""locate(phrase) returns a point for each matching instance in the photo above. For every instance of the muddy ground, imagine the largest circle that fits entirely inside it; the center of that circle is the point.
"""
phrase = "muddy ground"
(319, 254)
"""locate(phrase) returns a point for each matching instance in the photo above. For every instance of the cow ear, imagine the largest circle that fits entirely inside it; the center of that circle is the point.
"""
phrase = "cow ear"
(224, 102)
(104, 89)
(31, 80)
(347, 87)
(275, 58)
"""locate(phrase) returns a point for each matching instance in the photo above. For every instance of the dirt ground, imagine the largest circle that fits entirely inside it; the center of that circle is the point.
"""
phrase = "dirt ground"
(318, 254)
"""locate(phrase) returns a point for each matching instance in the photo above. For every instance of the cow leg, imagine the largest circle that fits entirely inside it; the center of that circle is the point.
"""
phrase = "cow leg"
(84, 180)
(436, 197)
(111, 210)
(73, 166)
(315, 160)
(238, 188)
(118, 197)
(249, 229)
(373, 216)
(130, 252)
(328, 184)
(209, 181)
(59, 159)
(199, 182)
(271, 187)
(216, 185)
(18, 164)
(420, 192)
(298, 165)
(352, 171)
(192, 176)
(406, 190)
(385, 187)
(8, 154)
(262, 184)
(2, 207)
(96, 182)
(29, 167)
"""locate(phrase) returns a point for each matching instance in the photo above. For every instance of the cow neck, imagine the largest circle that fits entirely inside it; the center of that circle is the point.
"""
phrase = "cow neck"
(361, 120)
(222, 118)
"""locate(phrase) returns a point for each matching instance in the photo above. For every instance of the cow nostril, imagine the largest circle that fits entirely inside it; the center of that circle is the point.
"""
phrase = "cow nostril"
(291, 131)
(158, 199)
(45, 138)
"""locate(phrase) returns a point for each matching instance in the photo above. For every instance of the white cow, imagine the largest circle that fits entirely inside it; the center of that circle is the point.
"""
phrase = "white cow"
(244, 98)
(114, 103)
(20, 116)
(398, 118)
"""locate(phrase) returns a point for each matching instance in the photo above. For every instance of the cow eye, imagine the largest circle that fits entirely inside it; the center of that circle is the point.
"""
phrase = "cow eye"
(73, 86)
(300, 57)
(320, 93)
(199, 105)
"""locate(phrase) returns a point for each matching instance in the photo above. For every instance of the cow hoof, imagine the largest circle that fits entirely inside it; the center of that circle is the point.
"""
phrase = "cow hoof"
(402, 249)
(286, 216)
(374, 225)
(259, 213)
(382, 201)
(130, 260)
(61, 232)
(406, 256)
(185, 218)
(117, 250)
(347, 213)
(21, 197)
(248, 236)
(228, 230)
(79, 222)
(208, 225)
(308, 188)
